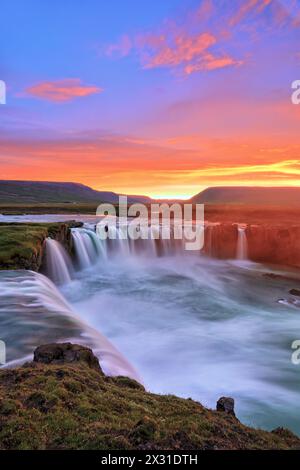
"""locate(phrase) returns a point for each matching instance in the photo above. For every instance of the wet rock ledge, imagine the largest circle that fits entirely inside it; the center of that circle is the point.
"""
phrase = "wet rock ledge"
(62, 400)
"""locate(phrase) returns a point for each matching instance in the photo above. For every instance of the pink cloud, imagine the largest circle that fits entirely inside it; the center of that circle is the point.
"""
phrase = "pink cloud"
(187, 46)
(189, 52)
(200, 41)
(210, 62)
(183, 49)
(279, 13)
(62, 90)
(247, 7)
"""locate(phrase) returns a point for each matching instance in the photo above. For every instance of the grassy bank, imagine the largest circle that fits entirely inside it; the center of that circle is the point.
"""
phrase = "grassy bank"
(72, 406)
(21, 245)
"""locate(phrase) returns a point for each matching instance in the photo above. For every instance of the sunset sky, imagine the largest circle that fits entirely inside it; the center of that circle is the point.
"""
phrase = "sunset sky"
(161, 98)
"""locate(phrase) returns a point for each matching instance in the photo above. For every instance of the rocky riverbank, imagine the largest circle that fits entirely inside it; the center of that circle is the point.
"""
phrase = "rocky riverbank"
(62, 400)
(22, 245)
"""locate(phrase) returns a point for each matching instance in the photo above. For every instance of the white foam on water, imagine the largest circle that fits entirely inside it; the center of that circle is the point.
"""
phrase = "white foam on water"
(34, 299)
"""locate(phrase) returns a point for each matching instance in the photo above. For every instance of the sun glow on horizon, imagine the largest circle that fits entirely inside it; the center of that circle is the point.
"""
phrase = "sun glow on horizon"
(180, 197)
(153, 124)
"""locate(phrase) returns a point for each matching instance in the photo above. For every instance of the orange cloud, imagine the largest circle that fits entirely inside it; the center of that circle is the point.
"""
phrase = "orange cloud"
(62, 90)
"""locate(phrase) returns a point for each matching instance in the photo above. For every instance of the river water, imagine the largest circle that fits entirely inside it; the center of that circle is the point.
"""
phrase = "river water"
(182, 324)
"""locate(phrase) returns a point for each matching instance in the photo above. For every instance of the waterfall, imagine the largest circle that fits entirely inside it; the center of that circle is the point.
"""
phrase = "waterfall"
(58, 262)
(152, 243)
(99, 245)
(111, 360)
(208, 240)
(211, 238)
(83, 247)
(34, 312)
(242, 245)
(88, 247)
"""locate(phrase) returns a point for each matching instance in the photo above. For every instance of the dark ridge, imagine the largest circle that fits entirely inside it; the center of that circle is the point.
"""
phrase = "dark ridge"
(34, 192)
(248, 195)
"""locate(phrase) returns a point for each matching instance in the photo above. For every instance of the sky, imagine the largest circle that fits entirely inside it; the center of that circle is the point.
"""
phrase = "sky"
(162, 98)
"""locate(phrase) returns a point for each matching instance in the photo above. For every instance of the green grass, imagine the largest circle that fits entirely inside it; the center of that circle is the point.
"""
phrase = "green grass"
(74, 407)
(21, 244)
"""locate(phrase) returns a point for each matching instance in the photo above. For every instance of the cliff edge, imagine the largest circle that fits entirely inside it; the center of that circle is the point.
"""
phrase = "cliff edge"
(62, 400)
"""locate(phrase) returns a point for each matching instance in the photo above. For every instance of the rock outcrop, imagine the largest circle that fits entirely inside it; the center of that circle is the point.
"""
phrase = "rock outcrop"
(65, 353)
(226, 405)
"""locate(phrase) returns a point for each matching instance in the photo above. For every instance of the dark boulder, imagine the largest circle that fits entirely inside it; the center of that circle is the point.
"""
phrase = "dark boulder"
(295, 292)
(66, 353)
(226, 405)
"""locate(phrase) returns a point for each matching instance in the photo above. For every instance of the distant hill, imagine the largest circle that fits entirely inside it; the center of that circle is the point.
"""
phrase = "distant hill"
(248, 195)
(34, 192)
